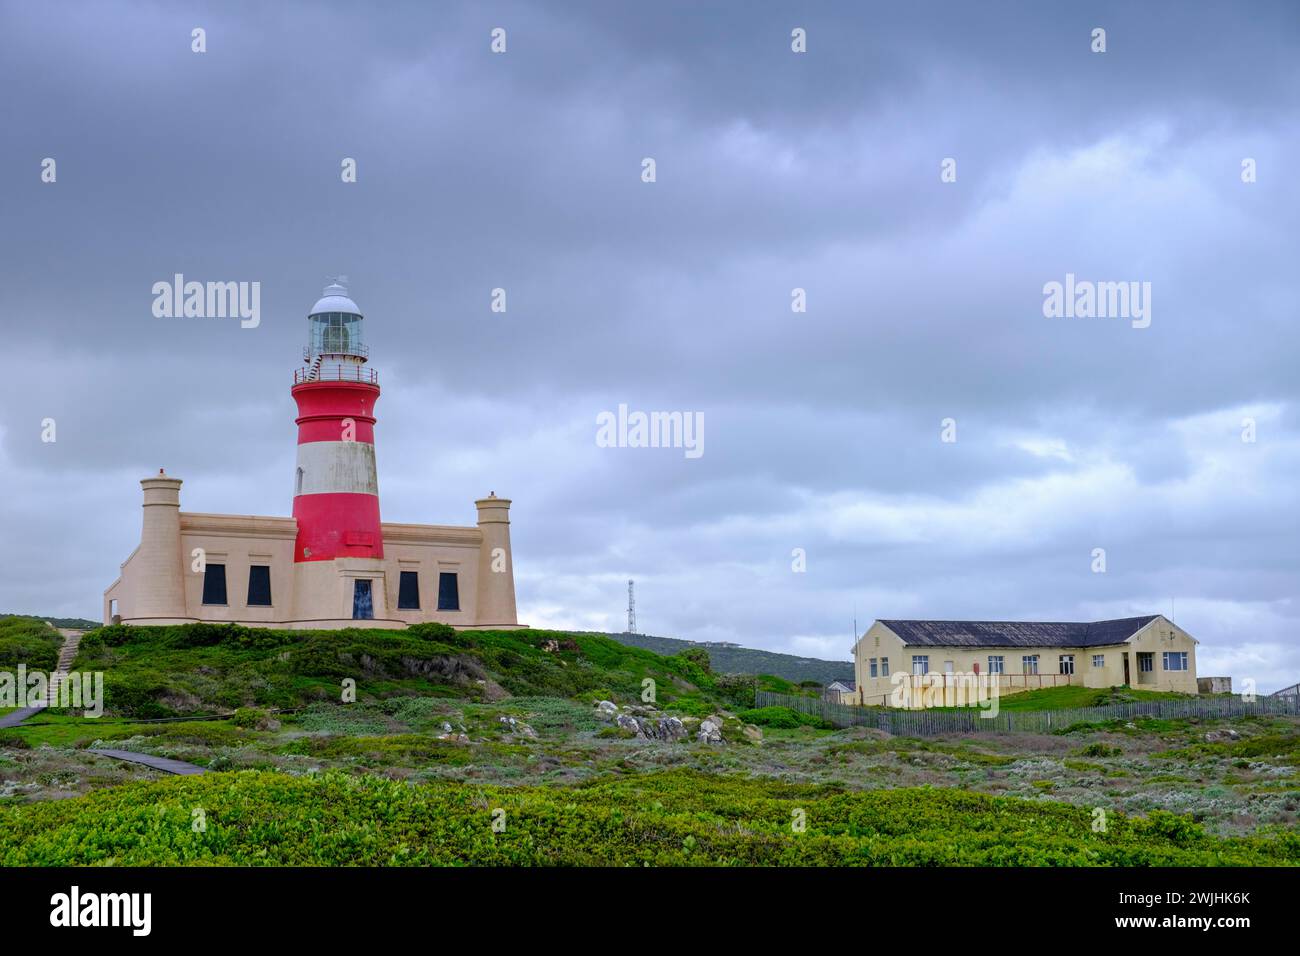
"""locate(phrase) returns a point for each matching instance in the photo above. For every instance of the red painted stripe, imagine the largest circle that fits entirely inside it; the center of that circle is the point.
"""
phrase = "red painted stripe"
(323, 405)
(337, 526)
(330, 428)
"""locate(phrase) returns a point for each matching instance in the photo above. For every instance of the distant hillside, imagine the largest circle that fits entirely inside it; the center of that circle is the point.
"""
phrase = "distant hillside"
(733, 659)
(72, 622)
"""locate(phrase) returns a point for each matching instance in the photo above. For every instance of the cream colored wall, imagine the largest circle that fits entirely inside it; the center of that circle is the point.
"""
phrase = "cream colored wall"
(307, 594)
(496, 581)
(430, 550)
(151, 585)
(322, 594)
(239, 541)
(1158, 636)
(878, 641)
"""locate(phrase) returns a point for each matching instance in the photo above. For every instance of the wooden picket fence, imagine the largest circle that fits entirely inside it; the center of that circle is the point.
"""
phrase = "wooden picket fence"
(912, 723)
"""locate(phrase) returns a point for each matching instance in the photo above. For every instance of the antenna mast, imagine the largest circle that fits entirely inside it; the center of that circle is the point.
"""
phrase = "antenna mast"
(631, 610)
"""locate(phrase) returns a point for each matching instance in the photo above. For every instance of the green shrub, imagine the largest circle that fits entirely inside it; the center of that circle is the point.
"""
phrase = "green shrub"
(1100, 750)
(699, 657)
(736, 689)
(781, 717)
(433, 631)
(250, 717)
(669, 818)
(24, 640)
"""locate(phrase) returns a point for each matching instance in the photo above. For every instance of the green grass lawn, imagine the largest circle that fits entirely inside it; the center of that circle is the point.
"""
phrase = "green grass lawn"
(1066, 698)
(668, 818)
(67, 730)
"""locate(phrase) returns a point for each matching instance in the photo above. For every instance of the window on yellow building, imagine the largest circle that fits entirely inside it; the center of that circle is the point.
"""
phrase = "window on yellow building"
(259, 585)
(448, 592)
(408, 591)
(214, 584)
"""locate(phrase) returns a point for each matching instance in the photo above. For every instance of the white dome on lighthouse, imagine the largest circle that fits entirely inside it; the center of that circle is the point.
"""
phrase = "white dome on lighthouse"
(334, 299)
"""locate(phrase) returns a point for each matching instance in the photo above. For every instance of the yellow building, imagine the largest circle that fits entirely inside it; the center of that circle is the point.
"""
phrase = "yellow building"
(840, 692)
(1149, 653)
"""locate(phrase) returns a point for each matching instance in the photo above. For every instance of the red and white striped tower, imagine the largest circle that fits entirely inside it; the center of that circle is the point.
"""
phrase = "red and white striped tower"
(336, 491)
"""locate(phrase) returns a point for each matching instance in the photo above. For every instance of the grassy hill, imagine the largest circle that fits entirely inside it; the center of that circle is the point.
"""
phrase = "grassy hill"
(207, 668)
(71, 622)
(30, 641)
(668, 818)
(448, 726)
(746, 660)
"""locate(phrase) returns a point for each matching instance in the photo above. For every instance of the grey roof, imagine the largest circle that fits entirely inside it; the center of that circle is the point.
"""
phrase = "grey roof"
(846, 684)
(1017, 633)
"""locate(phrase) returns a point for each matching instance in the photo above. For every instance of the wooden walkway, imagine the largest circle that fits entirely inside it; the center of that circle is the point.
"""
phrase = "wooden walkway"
(164, 764)
(18, 716)
(68, 653)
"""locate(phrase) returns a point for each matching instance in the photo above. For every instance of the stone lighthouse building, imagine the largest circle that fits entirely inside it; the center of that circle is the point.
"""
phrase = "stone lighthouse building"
(335, 563)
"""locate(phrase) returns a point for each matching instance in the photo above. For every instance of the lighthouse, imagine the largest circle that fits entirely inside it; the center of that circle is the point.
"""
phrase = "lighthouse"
(333, 563)
(336, 487)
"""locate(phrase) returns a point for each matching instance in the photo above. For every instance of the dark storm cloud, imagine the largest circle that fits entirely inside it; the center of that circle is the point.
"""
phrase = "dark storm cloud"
(775, 171)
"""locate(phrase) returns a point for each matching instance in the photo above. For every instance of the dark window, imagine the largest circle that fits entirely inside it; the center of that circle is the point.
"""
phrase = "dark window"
(259, 585)
(448, 592)
(408, 591)
(362, 608)
(214, 584)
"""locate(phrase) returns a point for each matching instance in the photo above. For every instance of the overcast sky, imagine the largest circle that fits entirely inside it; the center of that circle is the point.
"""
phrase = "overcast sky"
(775, 170)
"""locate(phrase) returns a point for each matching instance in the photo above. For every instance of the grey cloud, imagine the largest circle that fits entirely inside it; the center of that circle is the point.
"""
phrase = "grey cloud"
(775, 171)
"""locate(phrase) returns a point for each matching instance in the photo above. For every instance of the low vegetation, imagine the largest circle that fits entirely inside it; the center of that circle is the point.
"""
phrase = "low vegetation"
(447, 726)
(671, 818)
(214, 668)
(27, 640)
(784, 717)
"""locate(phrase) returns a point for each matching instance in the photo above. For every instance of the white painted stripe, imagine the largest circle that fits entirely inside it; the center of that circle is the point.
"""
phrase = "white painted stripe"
(337, 467)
